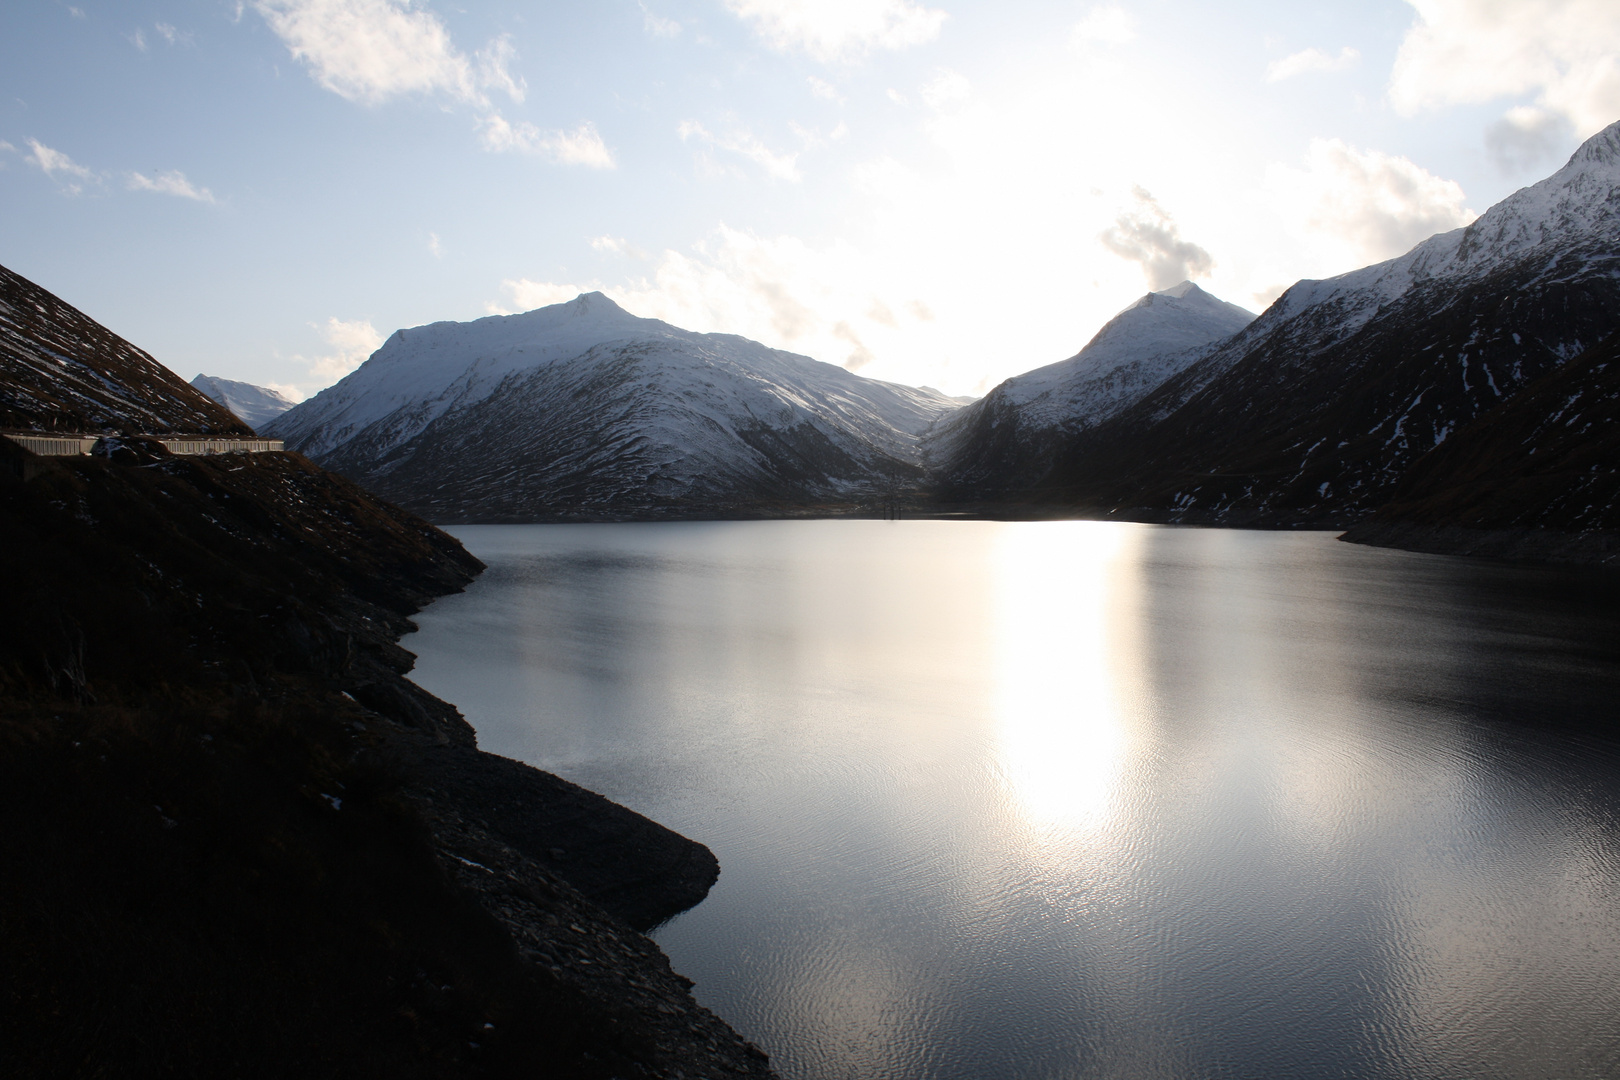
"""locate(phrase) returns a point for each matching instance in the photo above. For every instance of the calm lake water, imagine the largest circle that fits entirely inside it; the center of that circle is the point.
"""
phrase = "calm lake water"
(1087, 799)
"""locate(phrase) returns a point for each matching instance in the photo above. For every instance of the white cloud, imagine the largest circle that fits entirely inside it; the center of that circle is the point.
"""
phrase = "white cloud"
(657, 25)
(581, 146)
(945, 89)
(1146, 235)
(58, 166)
(839, 30)
(526, 295)
(434, 247)
(372, 50)
(351, 343)
(823, 89)
(174, 36)
(1104, 25)
(1366, 206)
(1308, 60)
(173, 182)
(618, 245)
(138, 39)
(1564, 52)
(740, 141)
(1525, 137)
(830, 302)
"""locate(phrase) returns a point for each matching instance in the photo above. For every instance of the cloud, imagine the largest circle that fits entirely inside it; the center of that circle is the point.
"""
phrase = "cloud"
(138, 39)
(618, 245)
(1525, 137)
(826, 302)
(1146, 235)
(859, 355)
(581, 146)
(1308, 60)
(823, 89)
(351, 343)
(174, 36)
(173, 182)
(369, 51)
(434, 247)
(526, 295)
(739, 141)
(839, 30)
(1370, 205)
(1468, 52)
(945, 89)
(657, 25)
(58, 166)
(1103, 25)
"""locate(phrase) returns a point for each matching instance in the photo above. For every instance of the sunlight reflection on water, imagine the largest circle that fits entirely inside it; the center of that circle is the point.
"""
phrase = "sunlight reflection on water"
(1086, 799)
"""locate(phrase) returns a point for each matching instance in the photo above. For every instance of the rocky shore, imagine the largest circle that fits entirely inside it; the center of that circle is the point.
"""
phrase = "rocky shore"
(240, 841)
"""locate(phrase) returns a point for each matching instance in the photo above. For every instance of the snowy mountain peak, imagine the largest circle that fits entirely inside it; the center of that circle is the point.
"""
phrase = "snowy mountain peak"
(1151, 339)
(581, 408)
(591, 303)
(257, 405)
(1602, 149)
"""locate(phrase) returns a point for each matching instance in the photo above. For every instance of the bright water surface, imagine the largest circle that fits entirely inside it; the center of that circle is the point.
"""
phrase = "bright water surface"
(1084, 799)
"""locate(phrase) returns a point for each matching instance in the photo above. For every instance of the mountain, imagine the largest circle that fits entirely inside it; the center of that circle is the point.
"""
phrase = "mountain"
(1311, 414)
(257, 405)
(1010, 435)
(60, 370)
(1538, 477)
(230, 815)
(582, 410)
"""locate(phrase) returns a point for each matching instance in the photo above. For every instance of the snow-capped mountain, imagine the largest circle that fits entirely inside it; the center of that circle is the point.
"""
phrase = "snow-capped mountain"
(1312, 412)
(1013, 429)
(257, 405)
(582, 410)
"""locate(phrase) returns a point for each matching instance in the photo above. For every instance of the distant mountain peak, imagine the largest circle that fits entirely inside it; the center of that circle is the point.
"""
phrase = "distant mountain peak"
(1180, 290)
(592, 303)
(256, 405)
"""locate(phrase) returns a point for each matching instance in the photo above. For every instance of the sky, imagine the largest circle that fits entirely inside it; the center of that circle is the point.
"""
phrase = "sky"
(933, 192)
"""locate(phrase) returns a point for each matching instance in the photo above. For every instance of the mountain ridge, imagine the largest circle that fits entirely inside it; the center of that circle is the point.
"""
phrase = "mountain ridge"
(582, 410)
(1309, 415)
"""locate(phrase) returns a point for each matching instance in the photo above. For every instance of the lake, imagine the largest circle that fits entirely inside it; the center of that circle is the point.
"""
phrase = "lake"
(1086, 799)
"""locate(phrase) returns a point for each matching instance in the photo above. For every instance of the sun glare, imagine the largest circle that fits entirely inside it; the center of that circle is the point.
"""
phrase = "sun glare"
(1063, 671)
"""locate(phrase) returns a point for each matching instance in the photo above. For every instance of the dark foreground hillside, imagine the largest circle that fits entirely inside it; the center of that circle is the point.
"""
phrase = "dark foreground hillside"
(237, 842)
(60, 370)
(1536, 478)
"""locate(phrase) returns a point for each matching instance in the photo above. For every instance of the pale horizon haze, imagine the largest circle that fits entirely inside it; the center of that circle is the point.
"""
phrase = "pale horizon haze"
(934, 193)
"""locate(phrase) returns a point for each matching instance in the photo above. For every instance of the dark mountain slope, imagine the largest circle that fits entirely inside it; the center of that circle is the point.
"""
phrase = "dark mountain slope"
(60, 370)
(1311, 414)
(239, 842)
(1538, 477)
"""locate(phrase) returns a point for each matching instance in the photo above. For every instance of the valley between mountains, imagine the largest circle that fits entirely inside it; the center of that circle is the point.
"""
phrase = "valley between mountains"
(240, 818)
(1182, 409)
